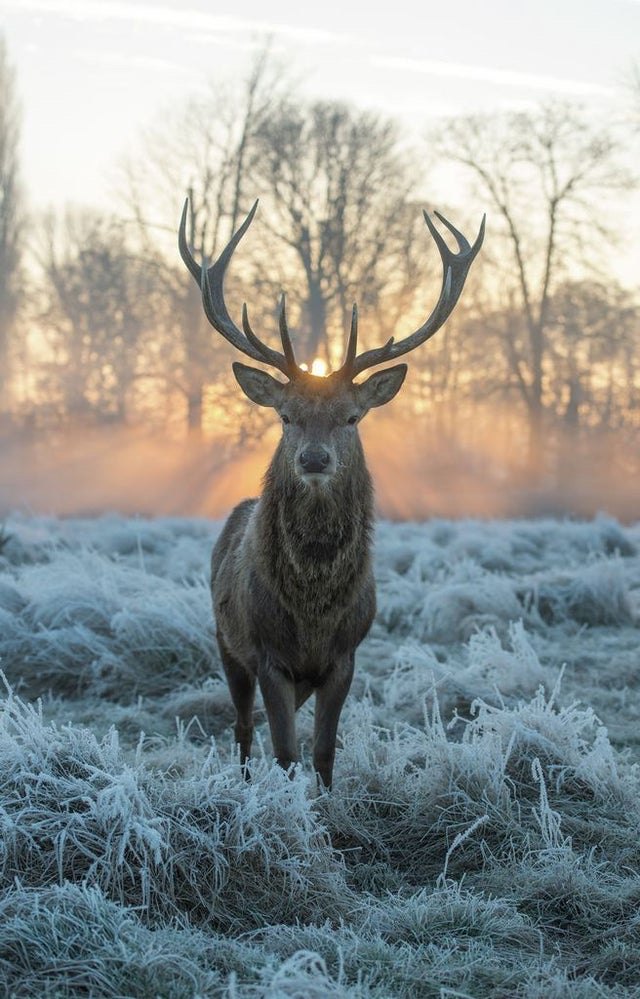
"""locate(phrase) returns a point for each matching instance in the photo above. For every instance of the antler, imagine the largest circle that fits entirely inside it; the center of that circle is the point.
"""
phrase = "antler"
(210, 281)
(455, 267)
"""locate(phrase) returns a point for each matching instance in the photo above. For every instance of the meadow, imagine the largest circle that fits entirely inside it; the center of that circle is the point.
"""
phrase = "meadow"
(482, 836)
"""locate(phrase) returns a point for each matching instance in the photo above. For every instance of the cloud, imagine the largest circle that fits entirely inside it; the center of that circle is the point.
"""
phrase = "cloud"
(171, 17)
(119, 60)
(204, 24)
(228, 42)
(488, 74)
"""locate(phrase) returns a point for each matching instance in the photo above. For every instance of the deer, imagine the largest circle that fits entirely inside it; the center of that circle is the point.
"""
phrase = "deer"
(292, 582)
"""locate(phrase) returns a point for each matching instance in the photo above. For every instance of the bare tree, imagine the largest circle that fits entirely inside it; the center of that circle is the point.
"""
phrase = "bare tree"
(543, 175)
(97, 305)
(204, 149)
(338, 188)
(11, 212)
(595, 376)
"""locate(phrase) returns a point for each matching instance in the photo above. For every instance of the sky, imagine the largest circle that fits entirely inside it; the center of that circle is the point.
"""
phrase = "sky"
(93, 73)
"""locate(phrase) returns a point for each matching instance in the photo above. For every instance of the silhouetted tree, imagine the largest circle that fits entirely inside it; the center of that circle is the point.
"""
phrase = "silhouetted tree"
(11, 210)
(204, 149)
(594, 378)
(338, 188)
(97, 300)
(542, 175)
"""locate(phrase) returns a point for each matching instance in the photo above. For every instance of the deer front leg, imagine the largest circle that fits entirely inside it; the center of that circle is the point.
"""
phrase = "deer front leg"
(279, 696)
(329, 700)
(242, 685)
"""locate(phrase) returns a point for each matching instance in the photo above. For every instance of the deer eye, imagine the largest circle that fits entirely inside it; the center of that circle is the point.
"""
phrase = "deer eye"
(285, 419)
(352, 420)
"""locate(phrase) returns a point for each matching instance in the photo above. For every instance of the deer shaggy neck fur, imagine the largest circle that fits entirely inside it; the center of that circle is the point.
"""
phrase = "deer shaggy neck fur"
(313, 541)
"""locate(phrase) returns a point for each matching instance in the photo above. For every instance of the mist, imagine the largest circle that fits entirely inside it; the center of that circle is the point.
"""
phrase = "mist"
(416, 475)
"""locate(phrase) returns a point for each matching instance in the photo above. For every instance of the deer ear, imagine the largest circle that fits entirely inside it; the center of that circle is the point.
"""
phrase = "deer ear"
(381, 387)
(259, 386)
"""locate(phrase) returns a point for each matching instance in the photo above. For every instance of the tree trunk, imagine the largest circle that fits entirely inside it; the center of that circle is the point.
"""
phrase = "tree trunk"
(194, 410)
(317, 309)
(535, 455)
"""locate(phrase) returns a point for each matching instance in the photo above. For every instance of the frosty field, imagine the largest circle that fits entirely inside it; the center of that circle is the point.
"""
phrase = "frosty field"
(483, 834)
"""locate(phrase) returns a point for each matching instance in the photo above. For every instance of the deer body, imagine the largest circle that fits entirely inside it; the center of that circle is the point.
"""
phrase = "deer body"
(291, 577)
(294, 595)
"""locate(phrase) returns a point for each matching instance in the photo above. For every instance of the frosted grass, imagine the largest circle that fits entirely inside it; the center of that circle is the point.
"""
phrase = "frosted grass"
(482, 835)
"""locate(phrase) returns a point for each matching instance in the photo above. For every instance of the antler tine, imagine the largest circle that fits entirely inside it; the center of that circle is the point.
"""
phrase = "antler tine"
(284, 336)
(346, 371)
(455, 267)
(461, 239)
(250, 335)
(183, 245)
(211, 281)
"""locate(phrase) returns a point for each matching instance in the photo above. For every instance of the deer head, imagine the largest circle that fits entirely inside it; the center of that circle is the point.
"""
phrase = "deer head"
(320, 415)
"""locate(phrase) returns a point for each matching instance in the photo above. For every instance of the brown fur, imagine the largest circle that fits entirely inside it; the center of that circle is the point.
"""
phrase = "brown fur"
(292, 583)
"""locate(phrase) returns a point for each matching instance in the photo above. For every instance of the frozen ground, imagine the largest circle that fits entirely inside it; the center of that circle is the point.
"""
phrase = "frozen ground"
(483, 835)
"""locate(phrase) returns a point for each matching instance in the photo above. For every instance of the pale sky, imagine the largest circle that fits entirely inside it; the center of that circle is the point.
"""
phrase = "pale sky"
(92, 73)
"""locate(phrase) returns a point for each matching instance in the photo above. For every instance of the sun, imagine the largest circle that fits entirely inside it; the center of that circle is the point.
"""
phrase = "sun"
(319, 367)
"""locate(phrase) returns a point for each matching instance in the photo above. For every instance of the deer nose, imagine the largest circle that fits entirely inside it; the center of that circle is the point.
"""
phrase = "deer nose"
(314, 458)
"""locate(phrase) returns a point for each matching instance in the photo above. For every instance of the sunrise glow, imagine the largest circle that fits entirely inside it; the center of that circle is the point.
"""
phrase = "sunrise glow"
(319, 367)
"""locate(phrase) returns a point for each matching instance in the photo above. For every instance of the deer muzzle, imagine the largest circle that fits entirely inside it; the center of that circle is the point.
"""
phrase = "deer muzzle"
(315, 461)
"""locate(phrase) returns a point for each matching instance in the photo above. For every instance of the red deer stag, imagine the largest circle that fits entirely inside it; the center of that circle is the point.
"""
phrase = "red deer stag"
(291, 578)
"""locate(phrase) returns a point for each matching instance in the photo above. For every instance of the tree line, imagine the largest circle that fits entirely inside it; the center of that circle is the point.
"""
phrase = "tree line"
(106, 325)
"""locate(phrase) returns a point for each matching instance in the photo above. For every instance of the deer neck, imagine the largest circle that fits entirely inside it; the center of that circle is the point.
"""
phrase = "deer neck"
(314, 534)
